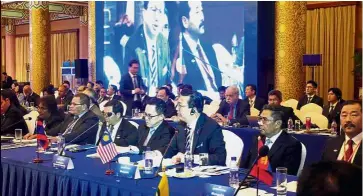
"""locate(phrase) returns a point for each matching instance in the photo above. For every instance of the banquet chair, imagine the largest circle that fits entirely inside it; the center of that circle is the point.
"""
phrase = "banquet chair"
(234, 145)
(210, 109)
(31, 123)
(311, 107)
(320, 120)
(292, 103)
(254, 112)
(303, 158)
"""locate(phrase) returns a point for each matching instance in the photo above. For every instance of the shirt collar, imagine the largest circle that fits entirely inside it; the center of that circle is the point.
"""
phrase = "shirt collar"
(274, 138)
(131, 75)
(253, 99)
(193, 124)
(192, 44)
(335, 104)
(312, 96)
(356, 139)
(153, 129)
(117, 125)
(82, 114)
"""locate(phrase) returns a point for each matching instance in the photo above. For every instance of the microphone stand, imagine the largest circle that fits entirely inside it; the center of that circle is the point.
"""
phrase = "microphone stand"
(166, 150)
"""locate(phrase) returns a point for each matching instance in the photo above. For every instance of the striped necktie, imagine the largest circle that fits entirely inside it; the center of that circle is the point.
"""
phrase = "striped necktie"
(188, 139)
(71, 125)
(153, 67)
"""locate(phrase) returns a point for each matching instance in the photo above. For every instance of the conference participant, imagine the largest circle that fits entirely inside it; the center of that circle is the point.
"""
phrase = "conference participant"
(7, 81)
(330, 178)
(163, 94)
(348, 146)
(171, 94)
(123, 133)
(310, 97)
(332, 110)
(156, 133)
(11, 115)
(199, 57)
(18, 90)
(285, 150)
(90, 85)
(201, 133)
(98, 86)
(252, 99)
(48, 114)
(150, 47)
(102, 95)
(30, 96)
(64, 98)
(79, 120)
(49, 90)
(222, 92)
(132, 87)
(81, 88)
(275, 98)
(111, 93)
(234, 108)
(94, 107)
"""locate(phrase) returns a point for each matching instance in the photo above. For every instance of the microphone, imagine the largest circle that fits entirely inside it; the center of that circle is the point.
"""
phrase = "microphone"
(70, 142)
(28, 118)
(261, 153)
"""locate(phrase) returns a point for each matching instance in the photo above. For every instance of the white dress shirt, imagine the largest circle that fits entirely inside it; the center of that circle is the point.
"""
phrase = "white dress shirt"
(357, 140)
(272, 140)
(114, 130)
(252, 100)
(334, 105)
(151, 133)
(192, 127)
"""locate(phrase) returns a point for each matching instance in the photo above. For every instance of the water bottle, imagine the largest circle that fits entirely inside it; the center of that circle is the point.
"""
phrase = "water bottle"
(188, 162)
(334, 128)
(233, 173)
(61, 143)
(290, 125)
(148, 160)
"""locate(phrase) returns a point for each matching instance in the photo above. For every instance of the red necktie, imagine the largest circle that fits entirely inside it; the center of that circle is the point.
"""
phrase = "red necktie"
(348, 153)
(231, 112)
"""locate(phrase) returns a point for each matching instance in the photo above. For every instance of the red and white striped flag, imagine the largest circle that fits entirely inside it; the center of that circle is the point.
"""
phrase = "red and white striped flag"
(106, 148)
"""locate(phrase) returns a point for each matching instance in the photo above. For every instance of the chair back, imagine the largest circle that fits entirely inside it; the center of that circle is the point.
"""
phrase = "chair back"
(210, 109)
(31, 123)
(320, 120)
(303, 158)
(292, 103)
(311, 107)
(234, 145)
(254, 112)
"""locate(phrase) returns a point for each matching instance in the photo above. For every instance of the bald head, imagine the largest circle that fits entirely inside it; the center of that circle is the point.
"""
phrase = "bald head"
(232, 94)
(27, 90)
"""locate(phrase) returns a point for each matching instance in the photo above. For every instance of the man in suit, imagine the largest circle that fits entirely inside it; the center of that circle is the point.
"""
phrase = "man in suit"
(163, 94)
(69, 92)
(252, 99)
(348, 146)
(79, 120)
(102, 95)
(201, 133)
(111, 93)
(10, 115)
(150, 47)
(7, 81)
(132, 87)
(310, 97)
(234, 108)
(332, 110)
(157, 133)
(275, 98)
(30, 96)
(198, 59)
(98, 86)
(64, 98)
(222, 92)
(285, 150)
(123, 133)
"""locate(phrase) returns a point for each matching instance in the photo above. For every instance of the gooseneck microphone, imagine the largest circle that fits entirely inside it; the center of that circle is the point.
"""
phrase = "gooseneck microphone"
(29, 118)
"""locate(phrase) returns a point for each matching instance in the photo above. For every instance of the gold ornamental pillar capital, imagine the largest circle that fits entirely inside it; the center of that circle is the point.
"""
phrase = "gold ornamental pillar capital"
(39, 44)
(290, 36)
(92, 41)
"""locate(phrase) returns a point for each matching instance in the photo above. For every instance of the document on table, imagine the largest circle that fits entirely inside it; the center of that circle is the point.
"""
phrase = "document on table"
(291, 186)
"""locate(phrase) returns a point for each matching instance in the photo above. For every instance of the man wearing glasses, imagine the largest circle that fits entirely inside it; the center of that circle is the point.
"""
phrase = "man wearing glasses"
(156, 133)
(285, 150)
(123, 133)
(201, 133)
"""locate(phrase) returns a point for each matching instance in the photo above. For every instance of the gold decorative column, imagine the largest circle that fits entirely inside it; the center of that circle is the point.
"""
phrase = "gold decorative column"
(290, 23)
(39, 44)
(10, 47)
(92, 40)
(83, 34)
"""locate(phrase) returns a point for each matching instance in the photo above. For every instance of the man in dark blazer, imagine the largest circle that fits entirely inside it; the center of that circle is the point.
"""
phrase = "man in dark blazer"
(132, 87)
(252, 99)
(79, 120)
(156, 133)
(64, 98)
(123, 133)
(310, 96)
(236, 109)
(111, 93)
(163, 94)
(7, 81)
(199, 65)
(348, 146)
(10, 115)
(102, 96)
(332, 110)
(275, 98)
(201, 134)
(150, 48)
(30, 96)
(285, 150)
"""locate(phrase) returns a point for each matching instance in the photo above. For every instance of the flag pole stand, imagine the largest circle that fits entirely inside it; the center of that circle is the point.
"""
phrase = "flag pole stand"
(37, 159)
(258, 177)
(109, 171)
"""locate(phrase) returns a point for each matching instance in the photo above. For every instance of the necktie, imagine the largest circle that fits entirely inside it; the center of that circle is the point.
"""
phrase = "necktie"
(188, 139)
(331, 108)
(205, 67)
(251, 103)
(268, 141)
(153, 67)
(349, 152)
(231, 113)
(309, 99)
(71, 125)
(151, 132)
(134, 80)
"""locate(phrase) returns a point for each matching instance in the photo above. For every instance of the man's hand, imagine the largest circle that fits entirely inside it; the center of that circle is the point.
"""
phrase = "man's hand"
(137, 90)
(177, 158)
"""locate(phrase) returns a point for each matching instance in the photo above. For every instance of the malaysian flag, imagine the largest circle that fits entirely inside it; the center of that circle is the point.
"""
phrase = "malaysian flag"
(106, 148)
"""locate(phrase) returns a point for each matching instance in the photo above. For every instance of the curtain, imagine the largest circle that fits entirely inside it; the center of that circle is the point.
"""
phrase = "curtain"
(22, 50)
(331, 32)
(64, 46)
(2, 54)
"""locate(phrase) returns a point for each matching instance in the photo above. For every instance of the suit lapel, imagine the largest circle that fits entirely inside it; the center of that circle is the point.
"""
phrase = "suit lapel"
(144, 135)
(157, 132)
(197, 131)
(277, 144)
(80, 121)
(358, 156)
(337, 146)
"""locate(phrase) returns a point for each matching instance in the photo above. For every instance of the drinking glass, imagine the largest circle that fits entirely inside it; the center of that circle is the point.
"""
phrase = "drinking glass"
(19, 135)
(203, 159)
(308, 123)
(225, 124)
(297, 125)
(281, 181)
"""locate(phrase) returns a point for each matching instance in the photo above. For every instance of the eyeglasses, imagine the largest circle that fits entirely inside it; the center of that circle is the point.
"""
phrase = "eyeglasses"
(75, 104)
(262, 119)
(149, 116)
(42, 108)
(107, 114)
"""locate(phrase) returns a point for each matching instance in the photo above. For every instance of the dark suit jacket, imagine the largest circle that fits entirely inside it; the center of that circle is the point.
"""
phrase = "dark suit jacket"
(193, 72)
(66, 101)
(287, 113)
(242, 109)
(10, 117)
(170, 109)
(115, 97)
(304, 100)
(84, 123)
(100, 100)
(159, 140)
(32, 98)
(285, 152)
(208, 138)
(332, 149)
(334, 114)
(7, 82)
(126, 87)
(53, 122)
(126, 134)
(259, 103)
